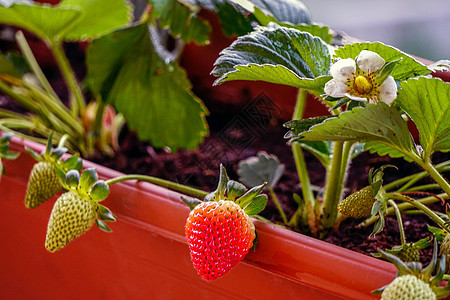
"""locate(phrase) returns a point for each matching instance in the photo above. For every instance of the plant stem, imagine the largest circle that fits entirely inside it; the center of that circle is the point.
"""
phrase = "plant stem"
(404, 206)
(332, 190)
(346, 153)
(28, 54)
(297, 151)
(431, 214)
(277, 204)
(161, 182)
(399, 220)
(431, 170)
(411, 179)
(79, 105)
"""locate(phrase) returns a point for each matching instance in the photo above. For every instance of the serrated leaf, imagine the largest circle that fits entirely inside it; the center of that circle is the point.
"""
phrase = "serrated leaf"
(278, 51)
(406, 68)
(383, 149)
(293, 12)
(235, 189)
(88, 178)
(182, 20)
(154, 98)
(99, 191)
(102, 225)
(427, 102)
(376, 122)
(191, 202)
(72, 178)
(256, 206)
(261, 168)
(299, 126)
(105, 214)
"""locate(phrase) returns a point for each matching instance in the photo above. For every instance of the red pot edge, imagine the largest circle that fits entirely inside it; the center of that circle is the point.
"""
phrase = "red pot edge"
(351, 274)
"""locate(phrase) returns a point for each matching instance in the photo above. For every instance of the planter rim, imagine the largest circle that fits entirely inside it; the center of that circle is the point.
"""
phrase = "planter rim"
(286, 253)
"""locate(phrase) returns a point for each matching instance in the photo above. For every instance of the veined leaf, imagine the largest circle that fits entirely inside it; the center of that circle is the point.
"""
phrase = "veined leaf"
(383, 149)
(376, 122)
(182, 20)
(274, 51)
(406, 68)
(261, 168)
(427, 102)
(70, 20)
(155, 98)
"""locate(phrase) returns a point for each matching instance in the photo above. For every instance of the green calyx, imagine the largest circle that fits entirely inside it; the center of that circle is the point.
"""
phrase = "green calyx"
(408, 252)
(251, 201)
(87, 186)
(432, 274)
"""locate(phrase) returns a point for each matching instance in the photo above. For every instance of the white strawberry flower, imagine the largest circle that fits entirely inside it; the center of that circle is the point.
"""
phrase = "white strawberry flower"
(359, 79)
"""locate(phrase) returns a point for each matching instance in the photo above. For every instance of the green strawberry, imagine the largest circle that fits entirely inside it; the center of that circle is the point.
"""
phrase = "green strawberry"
(408, 254)
(43, 184)
(358, 204)
(71, 216)
(408, 287)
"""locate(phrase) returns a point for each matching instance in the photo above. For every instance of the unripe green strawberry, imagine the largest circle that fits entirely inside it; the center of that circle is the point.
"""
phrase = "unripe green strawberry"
(408, 287)
(43, 184)
(358, 204)
(445, 250)
(219, 235)
(409, 254)
(71, 217)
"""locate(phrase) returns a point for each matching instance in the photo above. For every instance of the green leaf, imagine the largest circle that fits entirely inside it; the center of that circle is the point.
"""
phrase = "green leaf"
(427, 102)
(73, 162)
(235, 189)
(10, 155)
(376, 122)
(283, 52)
(41, 19)
(88, 178)
(182, 20)
(293, 12)
(99, 191)
(383, 149)
(261, 168)
(299, 126)
(219, 194)
(256, 206)
(154, 98)
(70, 20)
(93, 22)
(7, 67)
(105, 214)
(406, 68)
(72, 179)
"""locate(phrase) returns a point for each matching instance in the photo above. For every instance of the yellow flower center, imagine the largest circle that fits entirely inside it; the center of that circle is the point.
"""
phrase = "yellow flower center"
(363, 85)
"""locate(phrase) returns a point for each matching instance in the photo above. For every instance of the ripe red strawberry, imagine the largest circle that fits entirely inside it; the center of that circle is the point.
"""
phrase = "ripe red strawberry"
(219, 234)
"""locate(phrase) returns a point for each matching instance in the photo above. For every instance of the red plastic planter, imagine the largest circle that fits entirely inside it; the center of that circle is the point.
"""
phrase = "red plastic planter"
(147, 254)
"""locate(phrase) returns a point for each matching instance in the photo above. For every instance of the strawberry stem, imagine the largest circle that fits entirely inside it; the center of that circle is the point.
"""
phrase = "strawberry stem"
(277, 204)
(161, 182)
(398, 214)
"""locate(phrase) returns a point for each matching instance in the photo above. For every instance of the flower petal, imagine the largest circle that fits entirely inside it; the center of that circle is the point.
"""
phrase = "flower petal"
(356, 98)
(388, 90)
(343, 69)
(335, 88)
(369, 61)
